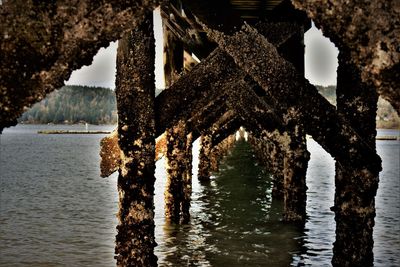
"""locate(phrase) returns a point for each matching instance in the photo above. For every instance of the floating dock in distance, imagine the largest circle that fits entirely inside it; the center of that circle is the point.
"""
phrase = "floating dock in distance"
(71, 132)
(387, 137)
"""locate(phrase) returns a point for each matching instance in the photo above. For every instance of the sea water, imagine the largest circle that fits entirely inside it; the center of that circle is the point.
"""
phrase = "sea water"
(55, 210)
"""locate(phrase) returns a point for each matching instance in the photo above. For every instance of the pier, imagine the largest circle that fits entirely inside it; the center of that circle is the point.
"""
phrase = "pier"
(250, 77)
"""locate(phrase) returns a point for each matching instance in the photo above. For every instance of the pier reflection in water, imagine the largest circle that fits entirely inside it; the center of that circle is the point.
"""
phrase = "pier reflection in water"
(234, 222)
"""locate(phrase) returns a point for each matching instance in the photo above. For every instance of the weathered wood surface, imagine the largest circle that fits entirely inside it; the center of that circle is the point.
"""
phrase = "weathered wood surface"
(355, 187)
(186, 29)
(135, 89)
(176, 167)
(43, 42)
(110, 152)
(179, 155)
(204, 168)
(321, 119)
(318, 117)
(269, 153)
(198, 88)
(173, 50)
(220, 150)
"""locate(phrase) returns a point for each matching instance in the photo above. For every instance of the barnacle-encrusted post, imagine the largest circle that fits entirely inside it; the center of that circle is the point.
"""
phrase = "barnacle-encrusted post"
(219, 151)
(295, 163)
(177, 173)
(187, 180)
(204, 172)
(136, 137)
(178, 158)
(270, 155)
(356, 185)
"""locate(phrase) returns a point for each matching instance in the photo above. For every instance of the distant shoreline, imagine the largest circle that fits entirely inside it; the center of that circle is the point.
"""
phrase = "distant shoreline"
(71, 132)
(114, 124)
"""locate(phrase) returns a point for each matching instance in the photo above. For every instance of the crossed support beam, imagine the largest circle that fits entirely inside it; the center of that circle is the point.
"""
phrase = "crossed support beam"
(53, 54)
(315, 116)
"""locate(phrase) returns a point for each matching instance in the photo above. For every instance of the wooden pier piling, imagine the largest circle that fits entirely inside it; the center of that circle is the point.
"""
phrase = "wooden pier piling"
(135, 88)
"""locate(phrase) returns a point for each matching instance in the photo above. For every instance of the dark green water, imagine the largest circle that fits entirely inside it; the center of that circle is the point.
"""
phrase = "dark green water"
(235, 222)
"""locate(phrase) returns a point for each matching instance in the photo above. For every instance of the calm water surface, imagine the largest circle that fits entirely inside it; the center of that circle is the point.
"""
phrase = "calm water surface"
(55, 210)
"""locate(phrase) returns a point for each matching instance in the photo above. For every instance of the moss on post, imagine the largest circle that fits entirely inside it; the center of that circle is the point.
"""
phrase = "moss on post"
(356, 186)
(136, 137)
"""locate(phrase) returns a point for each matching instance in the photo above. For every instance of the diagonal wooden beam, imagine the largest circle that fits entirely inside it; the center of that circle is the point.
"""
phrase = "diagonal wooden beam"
(187, 31)
(207, 81)
(295, 98)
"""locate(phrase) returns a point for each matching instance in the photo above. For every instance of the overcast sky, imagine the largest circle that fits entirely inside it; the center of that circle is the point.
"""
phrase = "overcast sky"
(320, 61)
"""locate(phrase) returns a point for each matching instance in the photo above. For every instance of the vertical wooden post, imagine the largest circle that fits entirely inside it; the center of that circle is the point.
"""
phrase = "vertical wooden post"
(270, 154)
(295, 165)
(356, 186)
(204, 158)
(179, 155)
(179, 170)
(187, 180)
(221, 150)
(296, 156)
(136, 137)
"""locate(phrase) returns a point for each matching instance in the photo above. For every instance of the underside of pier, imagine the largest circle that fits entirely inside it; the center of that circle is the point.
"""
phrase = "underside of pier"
(250, 74)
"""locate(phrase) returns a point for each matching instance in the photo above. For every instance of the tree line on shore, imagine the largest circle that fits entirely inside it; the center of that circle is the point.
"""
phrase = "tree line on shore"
(74, 104)
(97, 105)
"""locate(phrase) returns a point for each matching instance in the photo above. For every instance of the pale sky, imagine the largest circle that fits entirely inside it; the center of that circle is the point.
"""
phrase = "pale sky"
(320, 61)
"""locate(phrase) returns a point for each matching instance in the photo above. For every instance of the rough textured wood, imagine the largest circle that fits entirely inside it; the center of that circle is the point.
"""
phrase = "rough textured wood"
(173, 52)
(204, 171)
(191, 91)
(270, 155)
(295, 165)
(370, 31)
(220, 150)
(187, 180)
(225, 130)
(176, 170)
(316, 115)
(179, 176)
(355, 187)
(251, 108)
(286, 157)
(42, 42)
(203, 83)
(186, 29)
(135, 87)
(211, 137)
(110, 153)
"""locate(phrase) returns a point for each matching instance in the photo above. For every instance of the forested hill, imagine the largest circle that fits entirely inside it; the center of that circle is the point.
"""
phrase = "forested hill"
(74, 104)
